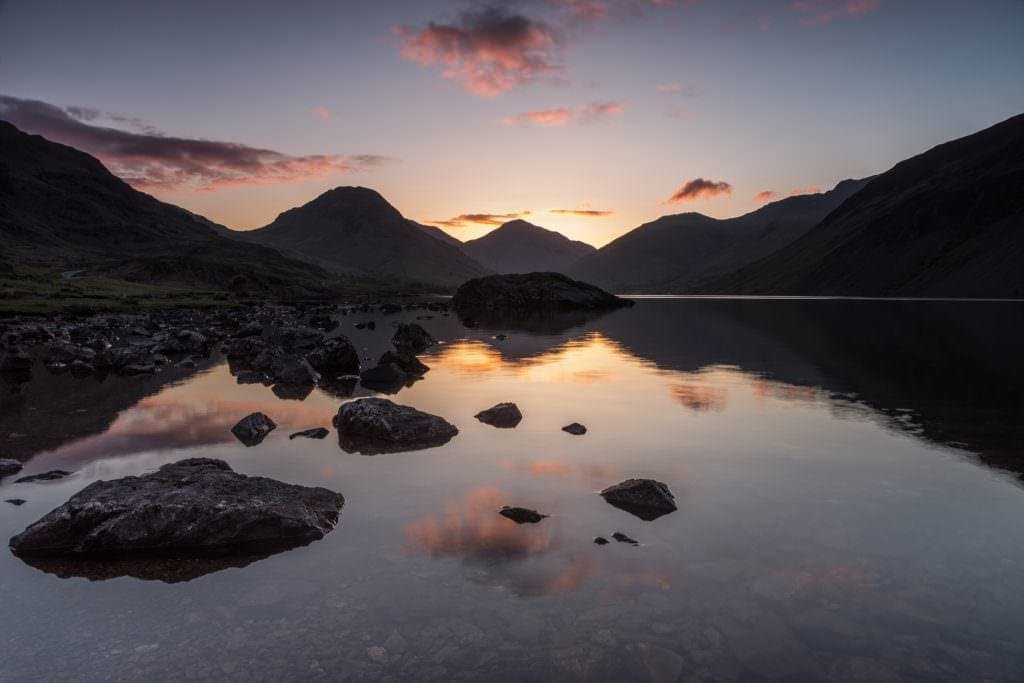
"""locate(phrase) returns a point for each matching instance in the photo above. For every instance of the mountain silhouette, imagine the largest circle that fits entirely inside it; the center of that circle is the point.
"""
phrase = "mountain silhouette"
(522, 247)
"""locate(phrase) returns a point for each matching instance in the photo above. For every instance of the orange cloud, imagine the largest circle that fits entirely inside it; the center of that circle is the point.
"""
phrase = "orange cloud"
(151, 160)
(817, 12)
(699, 188)
(805, 190)
(486, 51)
(480, 219)
(587, 213)
(548, 118)
(765, 195)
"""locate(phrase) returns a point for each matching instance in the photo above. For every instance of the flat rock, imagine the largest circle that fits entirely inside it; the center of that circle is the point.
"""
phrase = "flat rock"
(253, 428)
(9, 467)
(623, 538)
(521, 515)
(575, 429)
(377, 425)
(503, 416)
(552, 291)
(645, 498)
(315, 433)
(52, 475)
(15, 501)
(189, 509)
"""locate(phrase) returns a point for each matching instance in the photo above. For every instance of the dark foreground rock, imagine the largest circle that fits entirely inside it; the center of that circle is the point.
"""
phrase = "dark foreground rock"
(52, 475)
(252, 429)
(601, 540)
(9, 467)
(377, 425)
(576, 429)
(315, 433)
(532, 291)
(623, 538)
(387, 378)
(16, 501)
(194, 508)
(412, 337)
(521, 515)
(644, 498)
(503, 416)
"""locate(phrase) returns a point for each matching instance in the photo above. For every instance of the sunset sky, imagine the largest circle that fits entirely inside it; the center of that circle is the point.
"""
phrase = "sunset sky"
(592, 115)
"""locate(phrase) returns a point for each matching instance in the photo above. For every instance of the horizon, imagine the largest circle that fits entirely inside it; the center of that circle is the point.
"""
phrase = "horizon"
(403, 99)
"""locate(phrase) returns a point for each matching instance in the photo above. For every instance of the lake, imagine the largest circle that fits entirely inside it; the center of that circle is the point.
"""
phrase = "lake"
(847, 475)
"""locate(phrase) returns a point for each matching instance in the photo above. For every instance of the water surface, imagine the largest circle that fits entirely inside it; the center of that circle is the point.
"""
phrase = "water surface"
(847, 475)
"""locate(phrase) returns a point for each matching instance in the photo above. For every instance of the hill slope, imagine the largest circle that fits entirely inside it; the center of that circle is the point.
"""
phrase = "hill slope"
(676, 253)
(354, 229)
(948, 222)
(521, 247)
(438, 233)
(62, 209)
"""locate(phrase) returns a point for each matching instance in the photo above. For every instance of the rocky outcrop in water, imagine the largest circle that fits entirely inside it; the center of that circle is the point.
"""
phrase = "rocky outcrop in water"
(252, 429)
(192, 508)
(530, 292)
(377, 425)
(503, 416)
(521, 515)
(315, 433)
(645, 498)
(52, 475)
(576, 429)
(411, 337)
(8, 467)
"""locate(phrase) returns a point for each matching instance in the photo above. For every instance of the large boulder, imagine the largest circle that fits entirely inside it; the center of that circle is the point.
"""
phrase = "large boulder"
(335, 357)
(377, 425)
(532, 291)
(192, 508)
(253, 428)
(645, 498)
(411, 337)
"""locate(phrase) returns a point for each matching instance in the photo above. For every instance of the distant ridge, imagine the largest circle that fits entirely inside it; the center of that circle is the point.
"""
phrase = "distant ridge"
(521, 247)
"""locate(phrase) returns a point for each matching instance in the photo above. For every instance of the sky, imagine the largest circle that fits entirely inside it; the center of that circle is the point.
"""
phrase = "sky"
(589, 117)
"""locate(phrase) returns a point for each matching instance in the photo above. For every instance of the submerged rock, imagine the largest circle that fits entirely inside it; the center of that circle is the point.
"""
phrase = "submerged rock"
(9, 467)
(412, 337)
(193, 508)
(623, 538)
(315, 433)
(521, 515)
(252, 429)
(503, 416)
(52, 475)
(377, 425)
(16, 501)
(409, 363)
(601, 540)
(645, 498)
(575, 429)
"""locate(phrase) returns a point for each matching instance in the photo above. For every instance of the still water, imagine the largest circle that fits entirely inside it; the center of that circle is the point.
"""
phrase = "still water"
(847, 475)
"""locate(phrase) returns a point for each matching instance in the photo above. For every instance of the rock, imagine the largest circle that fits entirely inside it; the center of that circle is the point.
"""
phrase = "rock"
(315, 433)
(192, 508)
(521, 515)
(138, 369)
(644, 498)
(335, 357)
(377, 425)
(601, 540)
(412, 337)
(575, 428)
(387, 378)
(377, 654)
(409, 363)
(65, 352)
(186, 364)
(15, 359)
(52, 475)
(80, 368)
(292, 392)
(503, 416)
(9, 467)
(295, 372)
(623, 538)
(15, 501)
(252, 429)
(390, 308)
(551, 291)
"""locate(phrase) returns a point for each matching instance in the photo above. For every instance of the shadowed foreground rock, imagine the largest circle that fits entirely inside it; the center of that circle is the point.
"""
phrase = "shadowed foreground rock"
(252, 429)
(531, 291)
(377, 425)
(192, 510)
(644, 498)
(503, 416)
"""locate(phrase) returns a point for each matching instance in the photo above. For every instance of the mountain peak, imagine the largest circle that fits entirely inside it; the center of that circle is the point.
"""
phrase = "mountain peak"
(519, 246)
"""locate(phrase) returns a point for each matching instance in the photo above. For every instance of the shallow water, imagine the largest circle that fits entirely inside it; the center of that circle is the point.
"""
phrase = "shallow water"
(847, 475)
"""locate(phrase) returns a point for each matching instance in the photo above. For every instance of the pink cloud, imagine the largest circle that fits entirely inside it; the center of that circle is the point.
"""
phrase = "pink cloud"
(805, 190)
(765, 195)
(817, 12)
(480, 219)
(487, 51)
(549, 118)
(320, 112)
(699, 188)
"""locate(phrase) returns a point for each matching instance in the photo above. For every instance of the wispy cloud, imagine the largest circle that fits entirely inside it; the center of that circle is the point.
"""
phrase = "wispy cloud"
(765, 196)
(487, 51)
(585, 212)
(151, 160)
(817, 12)
(480, 219)
(812, 189)
(560, 116)
(320, 112)
(699, 188)
(682, 89)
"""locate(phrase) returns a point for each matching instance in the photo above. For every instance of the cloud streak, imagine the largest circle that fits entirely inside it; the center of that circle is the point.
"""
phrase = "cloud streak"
(586, 213)
(817, 12)
(561, 116)
(151, 160)
(487, 51)
(765, 196)
(479, 219)
(699, 188)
